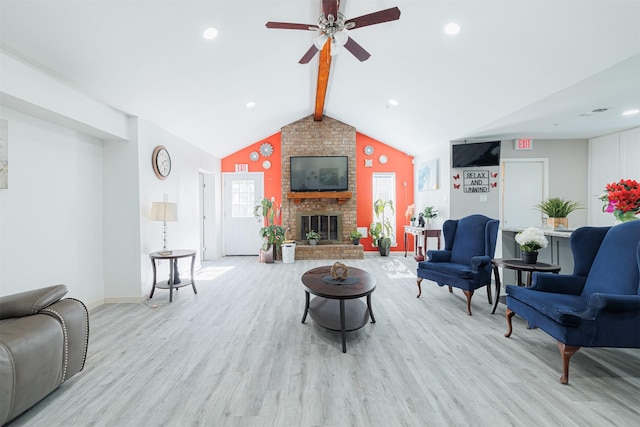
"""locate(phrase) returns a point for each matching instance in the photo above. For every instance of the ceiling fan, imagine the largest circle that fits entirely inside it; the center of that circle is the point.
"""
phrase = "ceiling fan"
(332, 26)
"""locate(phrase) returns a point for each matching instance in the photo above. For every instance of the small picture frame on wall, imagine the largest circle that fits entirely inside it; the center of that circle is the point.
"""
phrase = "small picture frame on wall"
(428, 176)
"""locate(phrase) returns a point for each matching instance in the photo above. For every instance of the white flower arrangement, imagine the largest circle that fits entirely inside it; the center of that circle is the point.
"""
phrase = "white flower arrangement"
(531, 239)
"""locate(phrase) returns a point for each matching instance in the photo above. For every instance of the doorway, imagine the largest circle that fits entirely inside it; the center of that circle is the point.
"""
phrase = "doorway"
(242, 191)
(525, 183)
(206, 193)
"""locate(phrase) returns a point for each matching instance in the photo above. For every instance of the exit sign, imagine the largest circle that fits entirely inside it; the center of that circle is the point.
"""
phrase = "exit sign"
(523, 144)
(242, 167)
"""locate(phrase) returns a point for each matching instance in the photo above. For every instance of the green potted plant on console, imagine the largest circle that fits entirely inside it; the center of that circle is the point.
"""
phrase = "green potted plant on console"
(557, 210)
(429, 213)
(381, 229)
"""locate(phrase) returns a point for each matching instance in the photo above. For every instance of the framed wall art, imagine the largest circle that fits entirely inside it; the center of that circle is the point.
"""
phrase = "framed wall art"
(428, 176)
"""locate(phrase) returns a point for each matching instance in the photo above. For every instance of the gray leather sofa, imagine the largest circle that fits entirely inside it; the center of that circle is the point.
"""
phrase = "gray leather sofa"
(43, 342)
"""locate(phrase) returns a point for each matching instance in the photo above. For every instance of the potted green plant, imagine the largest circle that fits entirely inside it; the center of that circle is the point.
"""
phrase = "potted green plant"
(355, 237)
(313, 237)
(429, 213)
(381, 229)
(557, 209)
(272, 234)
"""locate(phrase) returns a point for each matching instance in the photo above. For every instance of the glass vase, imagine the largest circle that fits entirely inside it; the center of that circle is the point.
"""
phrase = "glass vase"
(625, 216)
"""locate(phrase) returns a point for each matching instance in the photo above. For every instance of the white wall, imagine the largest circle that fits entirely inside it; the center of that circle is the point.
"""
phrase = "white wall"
(76, 211)
(181, 187)
(611, 158)
(568, 170)
(440, 197)
(567, 178)
(122, 219)
(51, 221)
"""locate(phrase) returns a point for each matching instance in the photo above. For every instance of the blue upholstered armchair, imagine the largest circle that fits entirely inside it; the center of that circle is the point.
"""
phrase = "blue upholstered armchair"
(596, 306)
(465, 262)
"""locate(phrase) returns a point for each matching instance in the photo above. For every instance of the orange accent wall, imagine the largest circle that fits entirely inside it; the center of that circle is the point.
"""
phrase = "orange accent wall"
(399, 163)
(272, 176)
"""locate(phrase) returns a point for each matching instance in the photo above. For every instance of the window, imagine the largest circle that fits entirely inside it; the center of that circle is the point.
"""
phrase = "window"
(384, 187)
(243, 198)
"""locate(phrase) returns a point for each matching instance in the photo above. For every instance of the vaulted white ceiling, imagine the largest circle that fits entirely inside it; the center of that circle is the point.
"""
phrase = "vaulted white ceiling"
(518, 68)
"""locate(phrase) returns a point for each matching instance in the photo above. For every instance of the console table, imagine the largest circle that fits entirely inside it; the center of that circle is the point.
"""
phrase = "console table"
(419, 252)
(174, 280)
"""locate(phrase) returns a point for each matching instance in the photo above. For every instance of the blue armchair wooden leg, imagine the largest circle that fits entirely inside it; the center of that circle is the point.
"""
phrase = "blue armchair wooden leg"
(510, 314)
(566, 351)
(468, 294)
(419, 288)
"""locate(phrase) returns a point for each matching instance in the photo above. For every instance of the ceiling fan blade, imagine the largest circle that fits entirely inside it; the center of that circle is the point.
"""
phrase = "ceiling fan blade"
(357, 50)
(375, 17)
(310, 54)
(291, 26)
(330, 7)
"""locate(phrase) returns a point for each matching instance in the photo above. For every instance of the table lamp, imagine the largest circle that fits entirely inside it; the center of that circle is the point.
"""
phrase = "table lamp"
(164, 211)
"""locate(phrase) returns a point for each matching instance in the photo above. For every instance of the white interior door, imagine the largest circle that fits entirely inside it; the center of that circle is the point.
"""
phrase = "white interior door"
(206, 191)
(524, 185)
(241, 193)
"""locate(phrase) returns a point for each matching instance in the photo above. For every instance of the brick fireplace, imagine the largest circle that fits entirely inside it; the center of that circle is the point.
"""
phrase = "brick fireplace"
(328, 137)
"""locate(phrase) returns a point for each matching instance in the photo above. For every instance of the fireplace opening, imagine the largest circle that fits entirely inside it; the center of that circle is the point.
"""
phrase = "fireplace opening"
(328, 224)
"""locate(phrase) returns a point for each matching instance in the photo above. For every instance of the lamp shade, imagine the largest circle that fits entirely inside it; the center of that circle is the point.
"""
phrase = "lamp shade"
(163, 211)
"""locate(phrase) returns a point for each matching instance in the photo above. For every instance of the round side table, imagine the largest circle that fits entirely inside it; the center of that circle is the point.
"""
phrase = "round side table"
(519, 266)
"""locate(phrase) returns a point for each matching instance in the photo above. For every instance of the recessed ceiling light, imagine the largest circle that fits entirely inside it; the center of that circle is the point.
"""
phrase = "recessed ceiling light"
(210, 33)
(392, 103)
(251, 105)
(452, 28)
(631, 112)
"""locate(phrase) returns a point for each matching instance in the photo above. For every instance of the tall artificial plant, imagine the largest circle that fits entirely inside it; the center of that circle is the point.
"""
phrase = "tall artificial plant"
(381, 228)
(271, 232)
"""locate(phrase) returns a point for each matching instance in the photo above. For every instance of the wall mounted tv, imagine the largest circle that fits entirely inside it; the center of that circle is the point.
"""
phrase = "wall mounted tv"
(319, 173)
(475, 154)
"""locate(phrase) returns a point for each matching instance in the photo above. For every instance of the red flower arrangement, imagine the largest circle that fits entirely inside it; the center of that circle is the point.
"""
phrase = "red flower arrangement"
(622, 198)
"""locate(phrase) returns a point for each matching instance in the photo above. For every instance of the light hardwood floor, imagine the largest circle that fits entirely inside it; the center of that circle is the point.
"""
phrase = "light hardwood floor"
(236, 354)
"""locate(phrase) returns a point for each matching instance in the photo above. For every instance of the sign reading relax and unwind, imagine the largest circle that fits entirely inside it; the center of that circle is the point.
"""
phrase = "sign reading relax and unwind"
(476, 181)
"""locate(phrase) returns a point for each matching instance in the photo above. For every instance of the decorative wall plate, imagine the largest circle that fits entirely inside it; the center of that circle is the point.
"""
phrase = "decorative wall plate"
(266, 149)
(254, 156)
(266, 164)
(368, 150)
(383, 159)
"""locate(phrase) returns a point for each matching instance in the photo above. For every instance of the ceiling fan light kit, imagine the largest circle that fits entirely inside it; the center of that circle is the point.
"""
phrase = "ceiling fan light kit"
(332, 25)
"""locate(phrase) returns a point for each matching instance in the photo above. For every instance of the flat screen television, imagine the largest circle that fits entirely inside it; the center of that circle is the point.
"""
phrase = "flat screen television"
(319, 173)
(475, 154)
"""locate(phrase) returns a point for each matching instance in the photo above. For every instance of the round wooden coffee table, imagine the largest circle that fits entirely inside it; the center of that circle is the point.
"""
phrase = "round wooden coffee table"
(337, 306)
(520, 266)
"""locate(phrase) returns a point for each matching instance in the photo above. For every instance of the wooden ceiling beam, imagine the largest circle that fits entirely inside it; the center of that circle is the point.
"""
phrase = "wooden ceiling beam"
(323, 80)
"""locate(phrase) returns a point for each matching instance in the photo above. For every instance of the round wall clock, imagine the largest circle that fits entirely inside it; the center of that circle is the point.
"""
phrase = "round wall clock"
(161, 162)
(266, 149)
(368, 150)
